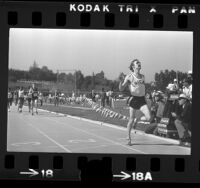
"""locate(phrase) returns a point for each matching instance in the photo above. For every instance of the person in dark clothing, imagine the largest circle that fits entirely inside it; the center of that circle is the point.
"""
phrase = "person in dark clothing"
(93, 96)
(183, 119)
(56, 98)
(34, 98)
(157, 114)
(103, 97)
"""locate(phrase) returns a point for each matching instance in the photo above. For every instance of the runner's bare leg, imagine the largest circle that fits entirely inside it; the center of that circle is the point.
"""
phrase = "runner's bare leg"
(131, 121)
(36, 105)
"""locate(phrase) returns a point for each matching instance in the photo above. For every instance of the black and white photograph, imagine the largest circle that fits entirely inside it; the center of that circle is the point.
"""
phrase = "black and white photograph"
(100, 91)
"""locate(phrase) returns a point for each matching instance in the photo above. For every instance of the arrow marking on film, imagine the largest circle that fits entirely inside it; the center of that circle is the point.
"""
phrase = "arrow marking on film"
(124, 175)
(31, 173)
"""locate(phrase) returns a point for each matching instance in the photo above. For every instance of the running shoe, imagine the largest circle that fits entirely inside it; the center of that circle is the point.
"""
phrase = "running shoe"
(129, 142)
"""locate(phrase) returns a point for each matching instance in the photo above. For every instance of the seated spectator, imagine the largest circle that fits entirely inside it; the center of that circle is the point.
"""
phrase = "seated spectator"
(183, 119)
(187, 88)
(149, 100)
(176, 86)
(157, 114)
(173, 88)
(160, 107)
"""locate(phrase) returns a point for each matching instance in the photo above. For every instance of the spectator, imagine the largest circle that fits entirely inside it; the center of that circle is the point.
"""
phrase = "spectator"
(173, 88)
(50, 98)
(93, 96)
(56, 98)
(189, 76)
(183, 119)
(187, 88)
(103, 97)
(175, 85)
(111, 99)
(160, 106)
(153, 95)
(16, 96)
(21, 99)
(107, 98)
(149, 100)
(40, 98)
(156, 113)
(9, 102)
(97, 97)
(29, 98)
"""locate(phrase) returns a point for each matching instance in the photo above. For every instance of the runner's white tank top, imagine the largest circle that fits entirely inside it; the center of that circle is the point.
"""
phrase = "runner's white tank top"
(136, 86)
(21, 93)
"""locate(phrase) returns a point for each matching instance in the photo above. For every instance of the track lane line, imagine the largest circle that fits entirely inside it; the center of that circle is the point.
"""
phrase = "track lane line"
(45, 135)
(100, 137)
(119, 128)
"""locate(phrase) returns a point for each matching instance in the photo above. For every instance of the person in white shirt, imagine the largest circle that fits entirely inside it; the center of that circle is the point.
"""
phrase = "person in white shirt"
(40, 98)
(187, 88)
(21, 99)
(135, 81)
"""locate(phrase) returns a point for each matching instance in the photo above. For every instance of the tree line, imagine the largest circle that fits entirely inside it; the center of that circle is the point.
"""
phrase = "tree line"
(94, 81)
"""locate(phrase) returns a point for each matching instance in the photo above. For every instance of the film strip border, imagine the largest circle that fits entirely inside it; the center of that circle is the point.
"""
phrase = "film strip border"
(105, 16)
(92, 166)
(95, 168)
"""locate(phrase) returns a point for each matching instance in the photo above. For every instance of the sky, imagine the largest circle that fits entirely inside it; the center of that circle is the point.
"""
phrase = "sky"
(95, 50)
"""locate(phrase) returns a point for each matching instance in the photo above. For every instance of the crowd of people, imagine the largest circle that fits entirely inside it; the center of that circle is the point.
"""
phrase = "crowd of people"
(31, 95)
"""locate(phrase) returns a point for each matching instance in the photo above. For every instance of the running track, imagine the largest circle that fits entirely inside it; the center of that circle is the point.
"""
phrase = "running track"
(48, 132)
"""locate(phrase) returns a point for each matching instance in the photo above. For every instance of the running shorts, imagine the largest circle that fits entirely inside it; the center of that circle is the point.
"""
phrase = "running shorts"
(136, 102)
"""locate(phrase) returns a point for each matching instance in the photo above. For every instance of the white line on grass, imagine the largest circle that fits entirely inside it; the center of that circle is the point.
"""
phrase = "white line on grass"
(41, 132)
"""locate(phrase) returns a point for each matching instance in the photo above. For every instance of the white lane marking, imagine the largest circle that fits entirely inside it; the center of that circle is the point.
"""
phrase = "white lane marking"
(41, 132)
(81, 141)
(95, 147)
(26, 143)
(121, 128)
(89, 147)
(106, 139)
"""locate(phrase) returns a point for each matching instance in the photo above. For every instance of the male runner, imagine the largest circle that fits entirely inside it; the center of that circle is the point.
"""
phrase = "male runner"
(21, 99)
(9, 102)
(34, 101)
(135, 81)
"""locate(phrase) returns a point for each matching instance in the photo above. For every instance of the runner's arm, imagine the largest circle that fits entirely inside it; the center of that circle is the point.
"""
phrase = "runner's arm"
(123, 84)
